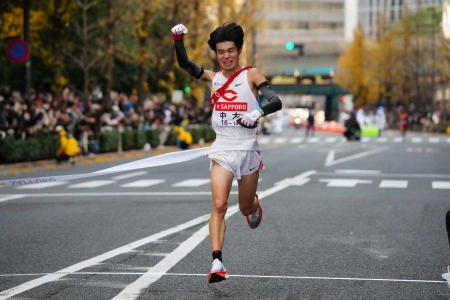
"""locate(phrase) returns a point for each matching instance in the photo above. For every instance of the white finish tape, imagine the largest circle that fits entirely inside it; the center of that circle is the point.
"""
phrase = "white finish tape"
(154, 161)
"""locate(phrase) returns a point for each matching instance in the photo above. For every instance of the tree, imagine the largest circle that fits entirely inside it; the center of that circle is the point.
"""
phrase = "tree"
(60, 16)
(84, 49)
(356, 71)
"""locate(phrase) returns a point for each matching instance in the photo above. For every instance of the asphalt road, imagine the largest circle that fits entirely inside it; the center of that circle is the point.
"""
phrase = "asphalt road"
(342, 220)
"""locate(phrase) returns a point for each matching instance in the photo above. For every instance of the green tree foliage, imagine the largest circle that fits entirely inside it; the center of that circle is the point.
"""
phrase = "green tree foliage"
(356, 71)
(122, 45)
(400, 66)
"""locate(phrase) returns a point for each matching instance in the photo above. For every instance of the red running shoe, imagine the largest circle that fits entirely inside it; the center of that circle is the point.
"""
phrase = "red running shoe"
(255, 218)
(218, 272)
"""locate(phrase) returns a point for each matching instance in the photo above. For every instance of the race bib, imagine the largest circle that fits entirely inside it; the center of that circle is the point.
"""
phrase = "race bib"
(226, 113)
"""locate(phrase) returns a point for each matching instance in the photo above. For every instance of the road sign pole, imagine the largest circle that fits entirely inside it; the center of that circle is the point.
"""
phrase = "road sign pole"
(26, 32)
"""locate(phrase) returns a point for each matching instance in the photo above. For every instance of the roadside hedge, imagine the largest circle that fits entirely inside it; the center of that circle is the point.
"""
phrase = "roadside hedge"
(45, 147)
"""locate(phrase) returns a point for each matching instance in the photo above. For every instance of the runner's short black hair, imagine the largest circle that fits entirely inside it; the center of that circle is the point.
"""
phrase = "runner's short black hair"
(227, 33)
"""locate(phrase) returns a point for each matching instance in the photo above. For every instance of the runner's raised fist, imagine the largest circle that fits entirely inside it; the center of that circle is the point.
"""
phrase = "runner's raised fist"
(178, 31)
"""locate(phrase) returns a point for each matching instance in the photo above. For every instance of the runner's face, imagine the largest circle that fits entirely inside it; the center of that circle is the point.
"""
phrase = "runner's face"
(228, 55)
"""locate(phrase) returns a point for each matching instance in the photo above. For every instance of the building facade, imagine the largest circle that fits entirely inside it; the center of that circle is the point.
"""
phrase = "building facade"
(323, 28)
(317, 25)
(369, 11)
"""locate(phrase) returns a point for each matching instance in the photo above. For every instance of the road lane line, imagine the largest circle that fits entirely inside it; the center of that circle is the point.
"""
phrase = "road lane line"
(11, 197)
(169, 260)
(98, 259)
(296, 140)
(438, 185)
(238, 276)
(388, 175)
(113, 194)
(42, 185)
(330, 158)
(280, 140)
(134, 290)
(358, 171)
(395, 184)
(356, 156)
(129, 175)
(344, 182)
(191, 183)
(143, 183)
(91, 184)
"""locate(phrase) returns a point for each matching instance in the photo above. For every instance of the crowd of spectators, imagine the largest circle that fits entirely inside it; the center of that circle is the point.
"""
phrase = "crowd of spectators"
(86, 118)
(430, 118)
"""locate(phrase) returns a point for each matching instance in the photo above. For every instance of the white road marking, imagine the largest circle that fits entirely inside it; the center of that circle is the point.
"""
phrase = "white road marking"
(98, 259)
(91, 184)
(156, 272)
(433, 140)
(296, 140)
(442, 185)
(365, 139)
(129, 175)
(263, 140)
(133, 290)
(235, 275)
(388, 175)
(191, 183)
(416, 140)
(358, 171)
(298, 180)
(280, 140)
(137, 194)
(330, 140)
(448, 140)
(312, 140)
(382, 140)
(356, 156)
(344, 182)
(396, 184)
(143, 183)
(330, 158)
(11, 197)
(398, 139)
(41, 185)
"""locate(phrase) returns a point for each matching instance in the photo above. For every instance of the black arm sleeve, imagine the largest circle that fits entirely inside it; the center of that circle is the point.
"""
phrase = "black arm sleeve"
(184, 62)
(272, 97)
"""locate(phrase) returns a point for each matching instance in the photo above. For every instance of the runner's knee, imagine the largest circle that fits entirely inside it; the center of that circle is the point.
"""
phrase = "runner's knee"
(220, 208)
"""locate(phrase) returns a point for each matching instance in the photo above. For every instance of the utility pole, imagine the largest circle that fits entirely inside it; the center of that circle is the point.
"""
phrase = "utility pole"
(26, 33)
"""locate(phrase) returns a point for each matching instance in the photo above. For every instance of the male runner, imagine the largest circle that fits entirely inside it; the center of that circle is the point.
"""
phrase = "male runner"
(236, 150)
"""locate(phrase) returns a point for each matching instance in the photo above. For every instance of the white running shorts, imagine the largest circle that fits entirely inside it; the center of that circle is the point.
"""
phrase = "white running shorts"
(238, 162)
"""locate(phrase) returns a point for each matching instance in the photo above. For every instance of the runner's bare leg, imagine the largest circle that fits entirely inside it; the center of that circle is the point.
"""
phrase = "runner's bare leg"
(248, 184)
(221, 181)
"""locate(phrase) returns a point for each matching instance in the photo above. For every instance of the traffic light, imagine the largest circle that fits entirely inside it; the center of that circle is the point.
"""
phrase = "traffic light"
(291, 46)
(187, 89)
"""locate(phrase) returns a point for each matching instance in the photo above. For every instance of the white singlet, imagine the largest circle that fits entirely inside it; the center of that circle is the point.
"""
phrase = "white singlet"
(237, 100)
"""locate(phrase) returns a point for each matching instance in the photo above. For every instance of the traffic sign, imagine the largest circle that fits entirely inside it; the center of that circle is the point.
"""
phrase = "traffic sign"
(17, 51)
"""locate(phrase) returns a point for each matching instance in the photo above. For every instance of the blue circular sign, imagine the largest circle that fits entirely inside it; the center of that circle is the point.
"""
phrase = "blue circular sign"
(17, 51)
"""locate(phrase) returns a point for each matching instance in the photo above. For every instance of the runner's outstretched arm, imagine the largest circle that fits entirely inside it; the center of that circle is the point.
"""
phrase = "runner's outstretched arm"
(178, 32)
